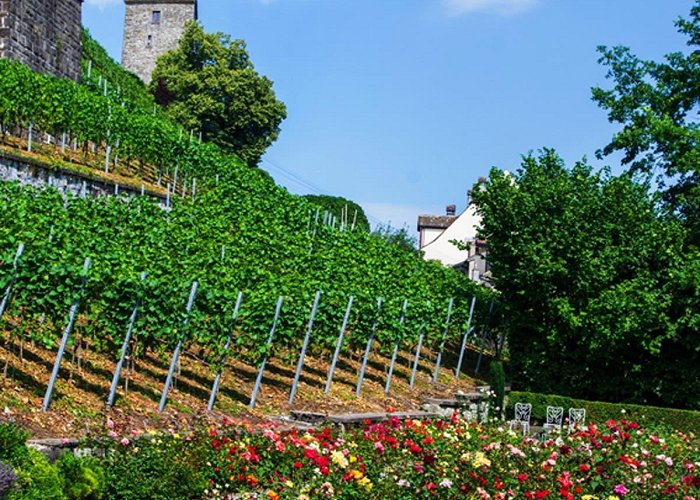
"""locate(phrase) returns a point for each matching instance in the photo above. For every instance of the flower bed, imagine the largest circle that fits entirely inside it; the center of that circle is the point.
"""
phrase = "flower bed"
(455, 458)
(451, 458)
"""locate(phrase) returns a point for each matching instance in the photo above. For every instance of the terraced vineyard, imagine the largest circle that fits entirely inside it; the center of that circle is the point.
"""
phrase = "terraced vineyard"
(233, 231)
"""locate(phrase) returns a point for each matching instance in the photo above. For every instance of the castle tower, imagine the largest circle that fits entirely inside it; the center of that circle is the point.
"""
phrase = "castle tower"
(46, 35)
(151, 28)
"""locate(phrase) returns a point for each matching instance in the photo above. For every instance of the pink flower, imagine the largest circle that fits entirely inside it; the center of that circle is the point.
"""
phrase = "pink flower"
(110, 423)
(379, 447)
(620, 490)
(125, 442)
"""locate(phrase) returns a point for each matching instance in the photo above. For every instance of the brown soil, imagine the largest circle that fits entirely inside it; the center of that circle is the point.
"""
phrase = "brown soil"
(78, 406)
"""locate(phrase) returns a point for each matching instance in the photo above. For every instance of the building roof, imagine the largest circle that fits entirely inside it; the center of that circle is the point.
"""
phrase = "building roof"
(435, 221)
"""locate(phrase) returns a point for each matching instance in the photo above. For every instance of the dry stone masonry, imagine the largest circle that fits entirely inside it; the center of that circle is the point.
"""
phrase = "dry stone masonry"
(43, 34)
(151, 28)
(39, 175)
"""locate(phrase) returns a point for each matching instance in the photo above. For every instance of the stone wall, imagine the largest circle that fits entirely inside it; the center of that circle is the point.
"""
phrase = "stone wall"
(147, 38)
(46, 35)
(39, 175)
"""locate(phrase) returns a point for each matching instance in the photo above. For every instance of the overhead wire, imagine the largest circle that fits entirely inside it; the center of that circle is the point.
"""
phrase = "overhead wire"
(316, 189)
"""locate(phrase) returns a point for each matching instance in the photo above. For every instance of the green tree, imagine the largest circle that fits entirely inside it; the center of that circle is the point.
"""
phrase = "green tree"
(402, 238)
(589, 271)
(209, 84)
(657, 105)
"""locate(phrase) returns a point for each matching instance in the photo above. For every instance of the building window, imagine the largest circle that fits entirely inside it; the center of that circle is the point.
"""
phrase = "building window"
(149, 41)
(155, 17)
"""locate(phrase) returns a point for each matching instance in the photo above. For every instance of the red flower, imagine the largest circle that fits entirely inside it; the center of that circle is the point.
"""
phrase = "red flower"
(542, 493)
(630, 461)
(565, 480)
(522, 477)
(250, 455)
(298, 465)
(691, 480)
(584, 467)
(431, 487)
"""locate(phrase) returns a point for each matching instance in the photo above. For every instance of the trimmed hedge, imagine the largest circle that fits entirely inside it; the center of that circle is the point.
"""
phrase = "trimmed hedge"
(598, 411)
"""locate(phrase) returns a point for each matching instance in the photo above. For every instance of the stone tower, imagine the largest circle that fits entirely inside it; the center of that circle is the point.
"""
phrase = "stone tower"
(151, 28)
(46, 35)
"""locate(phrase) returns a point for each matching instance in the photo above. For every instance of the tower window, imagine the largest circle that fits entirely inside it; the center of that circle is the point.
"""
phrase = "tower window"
(149, 41)
(155, 17)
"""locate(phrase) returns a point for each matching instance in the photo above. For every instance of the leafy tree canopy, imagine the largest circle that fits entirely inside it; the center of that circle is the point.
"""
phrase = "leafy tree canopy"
(209, 84)
(657, 103)
(596, 294)
(402, 238)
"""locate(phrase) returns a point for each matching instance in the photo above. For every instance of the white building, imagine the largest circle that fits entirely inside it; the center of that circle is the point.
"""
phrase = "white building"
(438, 232)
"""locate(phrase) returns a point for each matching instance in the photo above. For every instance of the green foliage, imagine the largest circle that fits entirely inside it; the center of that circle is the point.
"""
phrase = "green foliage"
(83, 477)
(497, 380)
(154, 468)
(60, 106)
(209, 84)
(587, 269)
(107, 73)
(597, 411)
(38, 479)
(657, 105)
(341, 208)
(398, 237)
(13, 440)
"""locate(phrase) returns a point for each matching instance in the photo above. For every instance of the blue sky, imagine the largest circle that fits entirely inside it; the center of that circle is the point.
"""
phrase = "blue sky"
(400, 105)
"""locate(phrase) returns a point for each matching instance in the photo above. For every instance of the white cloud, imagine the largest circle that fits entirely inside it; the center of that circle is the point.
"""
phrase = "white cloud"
(502, 7)
(101, 4)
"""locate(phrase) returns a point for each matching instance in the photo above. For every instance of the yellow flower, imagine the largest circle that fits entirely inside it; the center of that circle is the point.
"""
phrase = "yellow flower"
(339, 459)
(613, 497)
(589, 497)
(480, 460)
(356, 474)
(353, 459)
(365, 483)
(289, 484)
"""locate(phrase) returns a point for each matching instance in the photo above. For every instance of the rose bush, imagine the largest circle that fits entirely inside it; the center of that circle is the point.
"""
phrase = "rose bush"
(454, 458)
